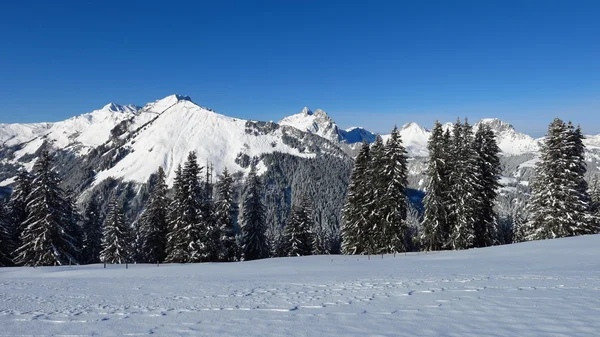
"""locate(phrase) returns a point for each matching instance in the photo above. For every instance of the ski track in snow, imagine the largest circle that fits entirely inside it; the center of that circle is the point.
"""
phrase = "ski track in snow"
(533, 289)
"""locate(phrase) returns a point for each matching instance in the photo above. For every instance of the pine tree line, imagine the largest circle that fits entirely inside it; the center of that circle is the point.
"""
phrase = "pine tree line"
(462, 185)
(197, 221)
(376, 203)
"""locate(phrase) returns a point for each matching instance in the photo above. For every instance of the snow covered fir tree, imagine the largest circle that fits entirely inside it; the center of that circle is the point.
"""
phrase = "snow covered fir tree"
(47, 236)
(116, 241)
(303, 206)
(560, 205)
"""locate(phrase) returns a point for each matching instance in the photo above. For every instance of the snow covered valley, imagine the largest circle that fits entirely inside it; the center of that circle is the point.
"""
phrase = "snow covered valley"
(540, 288)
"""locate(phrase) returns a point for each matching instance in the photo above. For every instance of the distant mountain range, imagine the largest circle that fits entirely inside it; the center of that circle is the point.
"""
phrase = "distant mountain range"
(136, 140)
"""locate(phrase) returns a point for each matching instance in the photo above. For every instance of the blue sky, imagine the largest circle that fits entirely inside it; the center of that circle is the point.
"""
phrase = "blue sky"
(369, 63)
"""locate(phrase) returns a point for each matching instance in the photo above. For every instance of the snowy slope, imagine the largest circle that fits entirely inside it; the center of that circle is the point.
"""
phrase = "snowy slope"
(183, 126)
(79, 133)
(543, 288)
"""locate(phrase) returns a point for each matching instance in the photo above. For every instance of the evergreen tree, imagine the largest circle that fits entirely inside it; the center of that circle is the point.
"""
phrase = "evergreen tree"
(153, 222)
(46, 238)
(374, 208)
(559, 205)
(115, 245)
(393, 199)
(6, 241)
(177, 241)
(72, 223)
(192, 213)
(464, 187)
(595, 195)
(254, 240)
(211, 232)
(92, 232)
(487, 175)
(298, 235)
(354, 228)
(435, 233)
(225, 211)
(17, 208)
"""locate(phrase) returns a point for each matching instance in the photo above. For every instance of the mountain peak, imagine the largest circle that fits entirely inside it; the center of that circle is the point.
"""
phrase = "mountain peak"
(167, 102)
(496, 124)
(113, 107)
(306, 111)
(413, 126)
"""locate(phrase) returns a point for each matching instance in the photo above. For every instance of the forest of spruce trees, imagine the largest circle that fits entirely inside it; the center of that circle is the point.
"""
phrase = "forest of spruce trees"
(200, 221)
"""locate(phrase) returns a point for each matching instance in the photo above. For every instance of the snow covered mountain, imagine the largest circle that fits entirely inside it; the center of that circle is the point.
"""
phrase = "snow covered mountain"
(509, 140)
(162, 133)
(138, 140)
(320, 124)
(79, 133)
(415, 137)
(183, 126)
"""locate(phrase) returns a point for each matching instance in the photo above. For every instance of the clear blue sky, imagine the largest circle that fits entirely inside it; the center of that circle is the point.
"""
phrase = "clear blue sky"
(369, 63)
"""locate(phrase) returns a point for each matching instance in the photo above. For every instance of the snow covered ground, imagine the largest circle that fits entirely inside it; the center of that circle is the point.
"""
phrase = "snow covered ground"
(549, 288)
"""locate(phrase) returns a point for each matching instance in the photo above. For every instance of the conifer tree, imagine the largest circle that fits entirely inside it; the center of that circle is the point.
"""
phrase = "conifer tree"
(298, 234)
(595, 195)
(46, 239)
(254, 240)
(153, 222)
(115, 245)
(464, 187)
(435, 233)
(559, 205)
(177, 241)
(192, 213)
(225, 211)
(354, 228)
(487, 176)
(17, 207)
(211, 233)
(92, 232)
(393, 208)
(6, 243)
(374, 208)
(72, 222)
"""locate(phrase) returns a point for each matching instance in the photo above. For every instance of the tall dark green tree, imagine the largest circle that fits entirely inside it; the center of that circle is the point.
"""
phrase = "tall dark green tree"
(73, 223)
(225, 210)
(177, 239)
(194, 228)
(435, 233)
(373, 209)
(46, 239)
(355, 223)
(298, 235)
(560, 206)
(487, 175)
(211, 233)
(17, 207)
(464, 187)
(6, 240)
(254, 239)
(115, 237)
(92, 232)
(153, 222)
(595, 195)
(393, 199)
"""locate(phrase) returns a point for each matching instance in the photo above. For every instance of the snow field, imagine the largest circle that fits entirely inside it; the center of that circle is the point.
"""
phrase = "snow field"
(544, 288)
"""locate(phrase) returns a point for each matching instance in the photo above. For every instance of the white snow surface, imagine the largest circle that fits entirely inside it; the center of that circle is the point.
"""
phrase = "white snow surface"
(543, 288)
